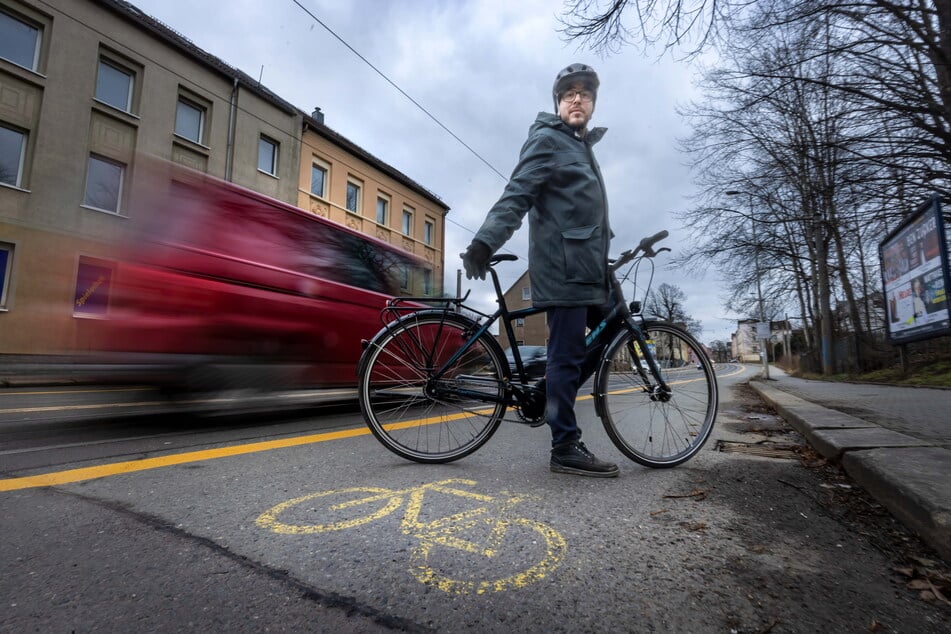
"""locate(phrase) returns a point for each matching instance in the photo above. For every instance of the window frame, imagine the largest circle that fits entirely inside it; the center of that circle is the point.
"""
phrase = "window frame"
(275, 154)
(202, 110)
(429, 231)
(122, 172)
(357, 185)
(407, 226)
(106, 60)
(325, 170)
(385, 199)
(21, 162)
(37, 44)
(526, 293)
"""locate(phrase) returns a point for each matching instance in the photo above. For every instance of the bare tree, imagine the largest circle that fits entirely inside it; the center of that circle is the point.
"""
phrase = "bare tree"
(667, 302)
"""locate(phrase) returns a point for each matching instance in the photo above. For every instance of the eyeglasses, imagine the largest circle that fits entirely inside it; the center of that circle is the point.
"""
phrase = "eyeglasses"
(586, 95)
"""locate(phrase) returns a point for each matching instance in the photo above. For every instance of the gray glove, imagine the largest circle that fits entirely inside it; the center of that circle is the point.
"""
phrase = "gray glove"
(476, 260)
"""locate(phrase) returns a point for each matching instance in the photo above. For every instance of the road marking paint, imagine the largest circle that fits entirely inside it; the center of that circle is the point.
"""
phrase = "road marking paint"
(67, 408)
(463, 531)
(117, 468)
(90, 391)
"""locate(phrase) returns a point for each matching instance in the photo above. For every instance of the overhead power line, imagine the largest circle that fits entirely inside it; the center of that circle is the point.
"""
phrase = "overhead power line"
(401, 91)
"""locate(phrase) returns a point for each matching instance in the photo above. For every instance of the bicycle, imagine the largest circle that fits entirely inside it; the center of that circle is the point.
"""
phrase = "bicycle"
(434, 384)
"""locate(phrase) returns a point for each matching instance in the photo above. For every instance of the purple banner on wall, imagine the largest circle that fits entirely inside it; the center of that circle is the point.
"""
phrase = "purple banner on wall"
(93, 282)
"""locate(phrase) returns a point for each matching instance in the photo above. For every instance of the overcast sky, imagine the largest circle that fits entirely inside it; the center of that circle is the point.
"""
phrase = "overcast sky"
(484, 69)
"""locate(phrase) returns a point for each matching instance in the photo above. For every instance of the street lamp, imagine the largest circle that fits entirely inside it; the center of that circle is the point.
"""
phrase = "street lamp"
(759, 291)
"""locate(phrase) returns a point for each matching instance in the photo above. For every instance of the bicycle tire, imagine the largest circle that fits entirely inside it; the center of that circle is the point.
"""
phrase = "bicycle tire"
(652, 428)
(413, 415)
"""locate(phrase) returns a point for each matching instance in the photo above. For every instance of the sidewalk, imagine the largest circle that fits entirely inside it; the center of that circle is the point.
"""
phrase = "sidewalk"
(893, 441)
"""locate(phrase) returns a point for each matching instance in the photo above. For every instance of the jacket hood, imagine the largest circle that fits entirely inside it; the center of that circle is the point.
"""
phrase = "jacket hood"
(550, 120)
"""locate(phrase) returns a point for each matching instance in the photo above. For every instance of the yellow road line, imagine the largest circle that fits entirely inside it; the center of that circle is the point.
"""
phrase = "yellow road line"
(116, 468)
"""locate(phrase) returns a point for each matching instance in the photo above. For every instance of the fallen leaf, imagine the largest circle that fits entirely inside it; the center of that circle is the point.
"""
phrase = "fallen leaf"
(694, 526)
(696, 493)
(653, 513)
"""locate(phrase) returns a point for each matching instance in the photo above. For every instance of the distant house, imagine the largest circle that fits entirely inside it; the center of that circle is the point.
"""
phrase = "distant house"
(532, 331)
(745, 345)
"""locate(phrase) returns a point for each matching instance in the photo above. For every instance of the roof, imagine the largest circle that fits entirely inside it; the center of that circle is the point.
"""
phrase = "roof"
(179, 41)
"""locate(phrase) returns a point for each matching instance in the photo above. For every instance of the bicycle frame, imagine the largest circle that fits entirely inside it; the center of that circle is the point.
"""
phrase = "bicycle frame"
(618, 317)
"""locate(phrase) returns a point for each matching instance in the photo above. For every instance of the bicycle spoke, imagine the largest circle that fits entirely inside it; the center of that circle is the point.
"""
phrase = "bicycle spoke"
(429, 393)
(651, 425)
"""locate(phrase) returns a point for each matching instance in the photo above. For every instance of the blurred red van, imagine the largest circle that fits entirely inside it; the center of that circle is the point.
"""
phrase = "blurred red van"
(222, 287)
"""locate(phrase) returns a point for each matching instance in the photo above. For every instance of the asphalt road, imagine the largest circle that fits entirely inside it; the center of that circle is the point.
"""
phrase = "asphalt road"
(196, 523)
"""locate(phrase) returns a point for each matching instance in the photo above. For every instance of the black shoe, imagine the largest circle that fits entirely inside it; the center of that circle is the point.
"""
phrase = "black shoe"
(574, 457)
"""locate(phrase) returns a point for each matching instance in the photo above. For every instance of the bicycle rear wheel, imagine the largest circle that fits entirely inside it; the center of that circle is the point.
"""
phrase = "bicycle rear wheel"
(421, 418)
(653, 427)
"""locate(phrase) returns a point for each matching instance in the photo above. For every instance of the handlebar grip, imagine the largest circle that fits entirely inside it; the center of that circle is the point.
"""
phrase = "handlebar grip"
(647, 243)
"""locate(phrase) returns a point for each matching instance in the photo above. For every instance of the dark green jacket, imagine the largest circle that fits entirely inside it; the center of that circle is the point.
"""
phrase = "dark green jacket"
(558, 183)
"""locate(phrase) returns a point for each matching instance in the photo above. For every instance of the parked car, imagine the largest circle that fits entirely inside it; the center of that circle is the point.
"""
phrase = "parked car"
(534, 360)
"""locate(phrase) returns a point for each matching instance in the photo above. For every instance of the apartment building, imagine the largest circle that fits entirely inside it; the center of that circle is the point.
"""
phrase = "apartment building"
(343, 182)
(88, 88)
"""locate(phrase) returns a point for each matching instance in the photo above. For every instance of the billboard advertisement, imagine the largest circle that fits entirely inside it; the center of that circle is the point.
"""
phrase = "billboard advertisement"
(915, 276)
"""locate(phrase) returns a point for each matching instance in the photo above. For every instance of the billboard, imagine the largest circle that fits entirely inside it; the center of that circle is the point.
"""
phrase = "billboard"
(915, 276)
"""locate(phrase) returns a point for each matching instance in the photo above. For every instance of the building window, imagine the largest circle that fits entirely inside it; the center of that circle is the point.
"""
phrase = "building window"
(103, 184)
(353, 196)
(408, 222)
(526, 292)
(520, 322)
(12, 153)
(404, 277)
(6, 272)
(114, 85)
(19, 41)
(427, 282)
(318, 180)
(382, 210)
(189, 120)
(93, 283)
(267, 155)
(429, 229)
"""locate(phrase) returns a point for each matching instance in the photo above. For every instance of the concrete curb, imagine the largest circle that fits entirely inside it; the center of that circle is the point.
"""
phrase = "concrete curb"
(907, 476)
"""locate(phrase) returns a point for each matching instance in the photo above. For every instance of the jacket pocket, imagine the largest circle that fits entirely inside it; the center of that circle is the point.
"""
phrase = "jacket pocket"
(582, 252)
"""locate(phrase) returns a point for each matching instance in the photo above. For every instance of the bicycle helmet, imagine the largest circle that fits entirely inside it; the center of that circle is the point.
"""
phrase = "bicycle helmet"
(572, 74)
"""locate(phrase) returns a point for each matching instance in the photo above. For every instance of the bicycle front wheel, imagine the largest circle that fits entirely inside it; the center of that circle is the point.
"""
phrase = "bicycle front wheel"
(418, 416)
(650, 425)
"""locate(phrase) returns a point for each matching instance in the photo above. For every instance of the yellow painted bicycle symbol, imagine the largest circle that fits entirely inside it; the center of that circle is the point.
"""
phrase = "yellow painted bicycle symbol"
(486, 529)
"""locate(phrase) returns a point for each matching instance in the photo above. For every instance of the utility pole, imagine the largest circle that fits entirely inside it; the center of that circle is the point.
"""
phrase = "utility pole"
(761, 335)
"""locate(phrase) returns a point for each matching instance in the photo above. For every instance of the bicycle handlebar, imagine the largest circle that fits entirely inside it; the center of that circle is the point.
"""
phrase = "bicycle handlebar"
(646, 247)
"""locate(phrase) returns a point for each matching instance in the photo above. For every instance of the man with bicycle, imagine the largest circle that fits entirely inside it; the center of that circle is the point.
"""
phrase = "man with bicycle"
(558, 184)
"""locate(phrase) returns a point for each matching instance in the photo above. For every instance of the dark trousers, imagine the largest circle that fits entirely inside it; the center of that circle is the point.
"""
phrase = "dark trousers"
(568, 367)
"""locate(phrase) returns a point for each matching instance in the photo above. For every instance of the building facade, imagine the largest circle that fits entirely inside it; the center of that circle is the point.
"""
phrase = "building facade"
(342, 182)
(532, 330)
(89, 92)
